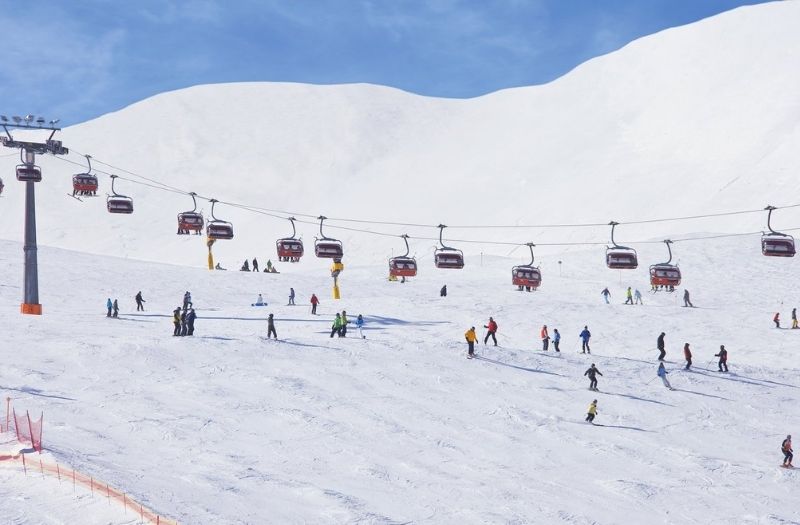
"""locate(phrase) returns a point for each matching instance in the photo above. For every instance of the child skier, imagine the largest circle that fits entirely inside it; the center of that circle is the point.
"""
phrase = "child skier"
(592, 412)
(723, 358)
(786, 448)
(360, 326)
(662, 373)
(777, 319)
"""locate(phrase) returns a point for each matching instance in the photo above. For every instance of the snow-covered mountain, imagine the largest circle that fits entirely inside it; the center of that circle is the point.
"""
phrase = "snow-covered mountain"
(696, 119)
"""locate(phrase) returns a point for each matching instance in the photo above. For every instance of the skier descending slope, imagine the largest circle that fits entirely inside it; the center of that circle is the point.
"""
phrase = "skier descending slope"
(592, 372)
(688, 355)
(592, 412)
(585, 335)
(471, 337)
(662, 373)
(660, 346)
(723, 358)
(786, 448)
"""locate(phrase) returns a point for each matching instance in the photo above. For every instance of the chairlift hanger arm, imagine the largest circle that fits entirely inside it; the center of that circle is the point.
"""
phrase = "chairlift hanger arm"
(405, 238)
(441, 230)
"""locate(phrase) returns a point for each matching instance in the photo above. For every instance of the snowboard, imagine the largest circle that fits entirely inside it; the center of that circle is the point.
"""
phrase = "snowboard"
(265, 304)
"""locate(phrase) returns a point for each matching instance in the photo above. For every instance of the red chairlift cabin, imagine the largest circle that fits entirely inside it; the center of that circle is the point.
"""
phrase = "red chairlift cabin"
(776, 244)
(290, 249)
(403, 265)
(325, 247)
(665, 274)
(526, 276)
(217, 229)
(116, 203)
(85, 184)
(446, 257)
(620, 257)
(191, 221)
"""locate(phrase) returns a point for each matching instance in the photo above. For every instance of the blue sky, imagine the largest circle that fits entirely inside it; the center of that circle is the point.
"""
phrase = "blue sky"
(78, 59)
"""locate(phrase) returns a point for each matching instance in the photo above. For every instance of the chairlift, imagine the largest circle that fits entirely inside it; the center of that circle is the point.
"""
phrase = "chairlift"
(217, 229)
(290, 249)
(117, 203)
(446, 257)
(191, 221)
(85, 184)
(327, 248)
(27, 171)
(620, 257)
(776, 244)
(526, 276)
(665, 275)
(403, 266)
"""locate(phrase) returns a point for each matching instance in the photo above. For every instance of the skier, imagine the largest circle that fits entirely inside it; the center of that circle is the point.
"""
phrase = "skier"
(443, 291)
(271, 327)
(139, 302)
(794, 317)
(259, 300)
(629, 296)
(585, 336)
(556, 339)
(176, 319)
(345, 322)
(638, 295)
(255, 266)
(545, 337)
(592, 372)
(360, 326)
(291, 296)
(688, 355)
(606, 294)
(723, 358)
(190, 317)
(337, 326)
(491, 328)
(109, 305)
(777, 319)
(471, 337)
(686, 301)
(115, 305)
(662, 373)
(187, 300)
(660, 346)
(246, 266)
(592, 412)
(314, 303)
(786, 448)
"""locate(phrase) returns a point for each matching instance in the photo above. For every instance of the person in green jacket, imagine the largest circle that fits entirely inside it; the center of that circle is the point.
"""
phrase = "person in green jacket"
(343, 331)
(337, 326)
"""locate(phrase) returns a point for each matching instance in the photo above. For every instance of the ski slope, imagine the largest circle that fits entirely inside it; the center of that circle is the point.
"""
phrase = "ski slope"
(226, 427)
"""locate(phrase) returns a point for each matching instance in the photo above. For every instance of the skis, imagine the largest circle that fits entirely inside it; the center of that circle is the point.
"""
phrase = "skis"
(788, 467)
(74, 197)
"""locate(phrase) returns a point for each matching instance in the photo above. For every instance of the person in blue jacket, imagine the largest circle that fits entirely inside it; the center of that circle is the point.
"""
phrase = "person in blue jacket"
(360, 326)
(662, 373)
(585, 336)
(109, 305)
(556, 339)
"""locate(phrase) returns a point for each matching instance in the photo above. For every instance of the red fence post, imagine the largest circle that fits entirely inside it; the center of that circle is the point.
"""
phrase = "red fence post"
(41, 429)
(91, 485)
(58, 472)
(73, 480)
(8, 408)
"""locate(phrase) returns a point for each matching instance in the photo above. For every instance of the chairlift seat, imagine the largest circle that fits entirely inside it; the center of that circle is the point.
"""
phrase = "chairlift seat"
(190, 221)
(621, 258)
(119, 204)
(777, 245)
(665, 275)
(84, 182)
(449, 258)
(219, 230)
(289, 249)
(402, 267)
(526, 275)
(328, 249)
(29, 173)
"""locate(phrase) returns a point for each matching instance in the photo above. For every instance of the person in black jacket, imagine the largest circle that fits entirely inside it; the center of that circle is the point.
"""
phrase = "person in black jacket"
(443, 291)
(271, 327)
(190, 317)
(660, 345)
(723, 358)
(592, 372)
(139, 302)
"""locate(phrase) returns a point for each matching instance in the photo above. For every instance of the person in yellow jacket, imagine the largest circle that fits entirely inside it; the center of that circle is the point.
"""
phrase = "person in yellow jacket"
(471, 337)
(592, 412)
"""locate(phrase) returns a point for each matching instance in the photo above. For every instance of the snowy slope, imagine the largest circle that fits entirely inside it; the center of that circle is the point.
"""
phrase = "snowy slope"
(227, 427)
(701, 118)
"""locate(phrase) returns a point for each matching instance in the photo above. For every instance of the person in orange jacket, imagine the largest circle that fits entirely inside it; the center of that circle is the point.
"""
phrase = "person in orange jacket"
(471, 337)
(491, 328)
(688, 355)
(545, 338)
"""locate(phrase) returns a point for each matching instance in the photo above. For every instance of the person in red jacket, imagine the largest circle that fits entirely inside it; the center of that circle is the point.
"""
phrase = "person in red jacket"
(545, 338)
(314, 303)
(491, 329)
(777, 319)
(688, 355)
(786, 448)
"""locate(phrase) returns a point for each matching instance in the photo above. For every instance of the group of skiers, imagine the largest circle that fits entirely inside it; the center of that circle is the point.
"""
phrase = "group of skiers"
(183, 318)
(777, 319)
(340, 323)
(269, 268)
(112, 307)
(634, 297)
(491, 330)
(722, 363)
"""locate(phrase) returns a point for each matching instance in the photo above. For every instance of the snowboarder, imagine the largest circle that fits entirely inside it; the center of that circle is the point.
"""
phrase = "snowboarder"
(471, 337)
(176, 319)
(218, 267)
(337, 326)
(190, 317)
(585, 335)
(686, 301)
(109, 306)
(246, 266)
(314, 303)
(187, 300)
(660, 346)
(271, 327)
(255, 265)
(592, 372)
(443, 291)
(269, 266)
(115, 305)
(638, 295)
(139, 302)
(794, 317)
(606, 294)
(556, 339)
(592, 412)
(786, 448)
(662, 373)
(723, 358)
(688, 355)
(491, 328)
(629, 296)
(291, 296)
(777, 319)
(259, 301)
(360, 326)
(345, 322)
(545, 337)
